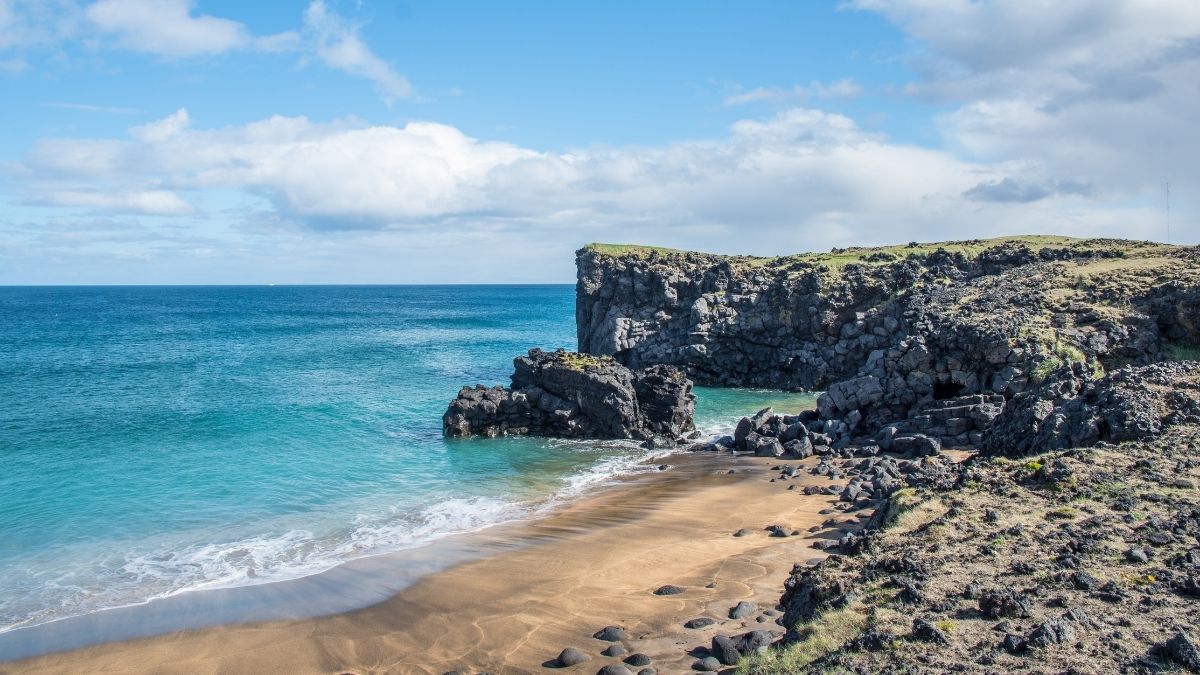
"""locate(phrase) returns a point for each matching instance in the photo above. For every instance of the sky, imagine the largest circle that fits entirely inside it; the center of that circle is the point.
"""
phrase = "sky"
(327, 141)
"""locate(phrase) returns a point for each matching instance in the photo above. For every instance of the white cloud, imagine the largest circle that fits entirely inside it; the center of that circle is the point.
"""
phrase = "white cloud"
(1098, 93)
(166, 27)
(798, 180)
(145, 202)
(339, 46)
(844, 88)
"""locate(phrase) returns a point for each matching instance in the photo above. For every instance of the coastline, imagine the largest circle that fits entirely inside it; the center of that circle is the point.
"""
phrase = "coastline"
(598, 560)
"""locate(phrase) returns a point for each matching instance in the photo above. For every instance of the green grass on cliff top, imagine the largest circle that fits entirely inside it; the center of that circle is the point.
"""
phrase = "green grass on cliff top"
(842, 256)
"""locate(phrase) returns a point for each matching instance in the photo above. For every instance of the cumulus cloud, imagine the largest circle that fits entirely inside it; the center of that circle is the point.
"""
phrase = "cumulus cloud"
(166, 27)
(800, 179)
(1100, 93)
(339, 46)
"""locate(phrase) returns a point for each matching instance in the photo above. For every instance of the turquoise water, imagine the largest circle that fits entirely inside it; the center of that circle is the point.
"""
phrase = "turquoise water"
(158, 440)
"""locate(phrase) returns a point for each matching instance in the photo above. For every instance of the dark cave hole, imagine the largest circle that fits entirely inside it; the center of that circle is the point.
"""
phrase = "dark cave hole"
(944, 390)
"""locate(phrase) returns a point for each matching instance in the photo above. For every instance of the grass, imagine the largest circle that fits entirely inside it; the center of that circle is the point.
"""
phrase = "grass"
(840, 257)
(578, 361)
(1180, 352)
(817, 638)
(636, 250)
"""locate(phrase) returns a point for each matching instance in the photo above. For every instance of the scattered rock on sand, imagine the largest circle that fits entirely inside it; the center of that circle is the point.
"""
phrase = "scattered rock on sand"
(745, 531)
(725, 650)
(707, 664)
(611, 634)
(699, 622)
(614, 669)
(571, 657)
(742, 610)
(614, 650)
(638, 659)
(669, 589)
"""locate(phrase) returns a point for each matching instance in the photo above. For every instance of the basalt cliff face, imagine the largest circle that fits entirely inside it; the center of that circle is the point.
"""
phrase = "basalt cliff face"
(925, 338)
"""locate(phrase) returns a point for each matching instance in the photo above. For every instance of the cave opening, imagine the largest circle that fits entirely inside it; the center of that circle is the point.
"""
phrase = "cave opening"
(946, 389)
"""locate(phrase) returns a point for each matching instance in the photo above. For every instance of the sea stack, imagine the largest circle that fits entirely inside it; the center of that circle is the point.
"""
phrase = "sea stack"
(572, 395)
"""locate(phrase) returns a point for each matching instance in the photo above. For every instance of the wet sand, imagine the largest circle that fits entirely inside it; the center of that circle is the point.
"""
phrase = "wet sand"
(548, 584)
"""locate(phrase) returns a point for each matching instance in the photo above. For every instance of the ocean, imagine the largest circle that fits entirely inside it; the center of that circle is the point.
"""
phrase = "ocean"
(157, 440)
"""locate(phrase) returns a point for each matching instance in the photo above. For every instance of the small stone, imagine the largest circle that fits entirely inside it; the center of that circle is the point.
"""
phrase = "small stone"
(707, 664)
(614, 650)
(699, 622)
(669, 589)
(611, 634)
(571, 657)
(1136, 555)
(742, 610)
(613, 669)
(745, 531)
(638, 659)
(927, 632)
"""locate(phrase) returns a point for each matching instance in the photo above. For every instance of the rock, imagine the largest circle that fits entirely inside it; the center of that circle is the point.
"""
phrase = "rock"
(725, 650)
(1183, 650)
(699, 622)
(668, 590)
(571, 657)
(574, 395)
(1056, 631)
(927, 632)
(742, 610)
(614, 650)
(707, 664)
(638, 659)
(611, 634)
(754, 641)
(1005, 602)
(614, 669)
(743, 532)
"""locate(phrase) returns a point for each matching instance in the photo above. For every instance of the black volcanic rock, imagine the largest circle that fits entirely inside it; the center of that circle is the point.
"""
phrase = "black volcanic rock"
(573, 395)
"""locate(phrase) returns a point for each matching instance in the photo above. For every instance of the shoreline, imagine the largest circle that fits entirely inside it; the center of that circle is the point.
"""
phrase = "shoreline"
(631, 532)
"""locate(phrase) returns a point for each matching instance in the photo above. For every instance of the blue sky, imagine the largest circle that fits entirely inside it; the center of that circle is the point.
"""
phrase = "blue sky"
(167, 141)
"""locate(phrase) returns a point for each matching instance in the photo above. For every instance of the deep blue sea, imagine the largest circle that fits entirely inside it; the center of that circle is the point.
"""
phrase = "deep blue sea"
(155, 440)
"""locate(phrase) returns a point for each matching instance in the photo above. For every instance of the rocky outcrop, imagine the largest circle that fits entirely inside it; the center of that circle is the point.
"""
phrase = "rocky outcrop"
(572, 395)
(1073, 409)
(918, 339)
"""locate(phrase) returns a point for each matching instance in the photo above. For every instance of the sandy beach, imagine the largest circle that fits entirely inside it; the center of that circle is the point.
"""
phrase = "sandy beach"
(555, 582)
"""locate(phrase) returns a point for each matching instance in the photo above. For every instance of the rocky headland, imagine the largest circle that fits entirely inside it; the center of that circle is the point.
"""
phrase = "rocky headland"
(1014, 421)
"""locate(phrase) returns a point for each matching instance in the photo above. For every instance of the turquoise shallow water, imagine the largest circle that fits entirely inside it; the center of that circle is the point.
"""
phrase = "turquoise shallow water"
(157, 440)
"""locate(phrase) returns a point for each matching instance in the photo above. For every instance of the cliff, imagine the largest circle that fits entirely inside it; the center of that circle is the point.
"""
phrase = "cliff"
(925, 331)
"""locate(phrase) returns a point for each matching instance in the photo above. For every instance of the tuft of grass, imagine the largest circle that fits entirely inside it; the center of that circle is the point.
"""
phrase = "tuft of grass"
(1174, 351)
(1062, 512)
(946, 625)
(817, 638)
(1033, 466)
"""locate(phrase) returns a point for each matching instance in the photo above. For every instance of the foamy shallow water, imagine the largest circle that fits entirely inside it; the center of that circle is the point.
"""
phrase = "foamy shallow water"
(167, 440)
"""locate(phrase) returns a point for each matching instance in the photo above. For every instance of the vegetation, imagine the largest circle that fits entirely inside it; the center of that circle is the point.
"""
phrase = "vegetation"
(1180, 352)
(817, 638)
(840, 257)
